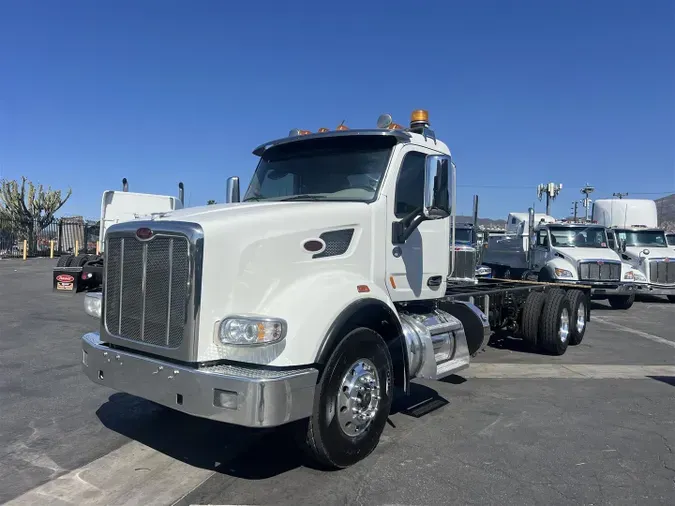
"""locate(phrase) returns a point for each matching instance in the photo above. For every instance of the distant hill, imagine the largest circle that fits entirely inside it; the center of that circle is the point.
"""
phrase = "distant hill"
(665, 206)
(481, 221)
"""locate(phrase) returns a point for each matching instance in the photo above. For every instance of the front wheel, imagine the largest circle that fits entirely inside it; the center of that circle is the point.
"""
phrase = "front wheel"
(352, 401)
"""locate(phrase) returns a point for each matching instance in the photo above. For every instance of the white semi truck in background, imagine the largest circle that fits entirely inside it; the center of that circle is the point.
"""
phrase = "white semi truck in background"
(635, 234)
(563, 251)
(76, 272)
(307, 302)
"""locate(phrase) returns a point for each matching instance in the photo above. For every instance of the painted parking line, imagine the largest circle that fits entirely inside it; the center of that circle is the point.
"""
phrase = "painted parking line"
(566, 371)
(646, 335)
(132, 474)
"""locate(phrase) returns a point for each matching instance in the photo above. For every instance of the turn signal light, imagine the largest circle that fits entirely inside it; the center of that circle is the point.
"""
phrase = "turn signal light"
(342, 126)
(297, 131)
(323, 130)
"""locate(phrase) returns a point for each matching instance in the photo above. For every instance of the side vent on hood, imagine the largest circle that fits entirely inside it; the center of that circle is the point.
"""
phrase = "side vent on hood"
(337, 242)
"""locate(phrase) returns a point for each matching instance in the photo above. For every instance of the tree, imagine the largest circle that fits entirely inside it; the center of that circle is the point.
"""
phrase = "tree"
(210, 202)
(29, 209)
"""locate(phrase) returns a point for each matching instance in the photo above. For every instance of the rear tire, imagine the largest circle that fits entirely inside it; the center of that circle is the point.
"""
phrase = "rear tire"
(621, 301)
(64, 260)
(360, 367)
(554, 326)
(529, 323)
(578, 320)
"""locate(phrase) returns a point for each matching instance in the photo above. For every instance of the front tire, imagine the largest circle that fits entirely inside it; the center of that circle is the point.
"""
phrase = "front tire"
(621, 301)
(352, 401)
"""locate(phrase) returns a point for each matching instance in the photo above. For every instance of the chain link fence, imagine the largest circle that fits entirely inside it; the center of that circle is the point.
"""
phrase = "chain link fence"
(69, 235)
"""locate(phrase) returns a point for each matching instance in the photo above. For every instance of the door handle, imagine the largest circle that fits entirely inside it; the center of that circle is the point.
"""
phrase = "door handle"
(434, 281)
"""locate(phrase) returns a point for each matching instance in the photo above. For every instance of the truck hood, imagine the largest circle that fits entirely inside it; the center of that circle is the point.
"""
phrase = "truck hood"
(654, 252)
(586, 254)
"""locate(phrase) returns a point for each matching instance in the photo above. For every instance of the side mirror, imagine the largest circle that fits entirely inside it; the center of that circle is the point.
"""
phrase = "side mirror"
(439, 174)
(232, 190)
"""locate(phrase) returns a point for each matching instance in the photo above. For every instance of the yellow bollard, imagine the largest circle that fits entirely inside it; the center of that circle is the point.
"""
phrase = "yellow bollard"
(98, 247)
(25, 249)
(51, 248)
(77, 247)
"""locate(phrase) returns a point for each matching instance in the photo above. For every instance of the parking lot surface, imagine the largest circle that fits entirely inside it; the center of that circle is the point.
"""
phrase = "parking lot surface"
(595, 426)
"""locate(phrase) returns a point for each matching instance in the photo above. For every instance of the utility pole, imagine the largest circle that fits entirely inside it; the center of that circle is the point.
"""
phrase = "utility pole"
(587, 190)
(551, 191)
(620, 195)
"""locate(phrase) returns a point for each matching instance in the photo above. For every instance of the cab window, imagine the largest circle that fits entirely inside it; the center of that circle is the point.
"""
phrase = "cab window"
(542, 238)
(410, 185)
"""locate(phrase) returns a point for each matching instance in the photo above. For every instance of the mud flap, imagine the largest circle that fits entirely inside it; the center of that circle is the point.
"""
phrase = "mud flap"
(67, 280)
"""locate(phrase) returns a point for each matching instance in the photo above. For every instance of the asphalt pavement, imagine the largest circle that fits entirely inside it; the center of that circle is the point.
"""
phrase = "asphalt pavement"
(594, 426)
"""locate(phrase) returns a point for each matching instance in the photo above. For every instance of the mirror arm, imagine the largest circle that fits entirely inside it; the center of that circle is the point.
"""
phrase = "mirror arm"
(401, 230)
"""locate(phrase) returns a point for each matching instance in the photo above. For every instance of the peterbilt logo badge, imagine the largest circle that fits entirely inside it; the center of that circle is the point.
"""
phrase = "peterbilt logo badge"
(666, 260)
(144, 233)
(600, 262)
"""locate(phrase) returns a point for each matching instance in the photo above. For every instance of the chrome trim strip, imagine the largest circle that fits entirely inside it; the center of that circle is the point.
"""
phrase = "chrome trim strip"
(168, 303)
(119, 326)
(401, 135)
(143, 289)
(194, 234)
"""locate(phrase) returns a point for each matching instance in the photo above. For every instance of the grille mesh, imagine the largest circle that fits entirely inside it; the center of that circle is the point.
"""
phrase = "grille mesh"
(662, 272)
(594, 271)
(465, 264)
(147, 289)
(337, 242)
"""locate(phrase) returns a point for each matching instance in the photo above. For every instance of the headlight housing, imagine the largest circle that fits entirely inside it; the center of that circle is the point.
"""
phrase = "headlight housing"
(634, 275)
(92, 304)
(250, 330)
(563, 273)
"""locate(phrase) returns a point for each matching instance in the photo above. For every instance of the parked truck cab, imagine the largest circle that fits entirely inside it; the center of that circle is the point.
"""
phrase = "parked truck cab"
(640, 242)
(308, 300)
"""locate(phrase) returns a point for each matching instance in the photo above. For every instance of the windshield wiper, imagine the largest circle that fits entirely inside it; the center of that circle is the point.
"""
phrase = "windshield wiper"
(304, 197)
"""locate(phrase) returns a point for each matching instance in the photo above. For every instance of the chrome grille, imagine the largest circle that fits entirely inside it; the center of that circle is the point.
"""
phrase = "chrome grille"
(600, 271)
(662, 272)
(465, 264)
(146, 291)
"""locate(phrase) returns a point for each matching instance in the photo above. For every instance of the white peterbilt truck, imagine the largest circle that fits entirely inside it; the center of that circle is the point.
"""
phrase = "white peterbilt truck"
(563, 251)
(634, 232)
(306, 302)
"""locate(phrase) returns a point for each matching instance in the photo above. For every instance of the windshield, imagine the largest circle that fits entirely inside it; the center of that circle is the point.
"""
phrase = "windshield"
(670, 239)
(335, 168)
(639, 238)
(464, 235)
(579, 237)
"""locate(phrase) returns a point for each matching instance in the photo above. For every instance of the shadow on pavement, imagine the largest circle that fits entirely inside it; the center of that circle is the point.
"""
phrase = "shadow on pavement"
(252, 454)
(668, 380)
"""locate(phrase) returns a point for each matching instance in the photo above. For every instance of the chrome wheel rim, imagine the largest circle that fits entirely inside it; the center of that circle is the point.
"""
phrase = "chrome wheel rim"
(358, 398)
(581, 318)
(564, 330)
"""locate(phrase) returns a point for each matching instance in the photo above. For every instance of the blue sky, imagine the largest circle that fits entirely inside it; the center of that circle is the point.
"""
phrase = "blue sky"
(523, 92)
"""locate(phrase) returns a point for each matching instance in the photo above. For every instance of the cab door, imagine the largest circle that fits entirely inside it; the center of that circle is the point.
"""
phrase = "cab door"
(540, 251)
(418, 268)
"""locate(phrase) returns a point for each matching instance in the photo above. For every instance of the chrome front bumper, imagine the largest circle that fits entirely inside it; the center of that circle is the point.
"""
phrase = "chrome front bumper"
(649, 289)
(246, 396)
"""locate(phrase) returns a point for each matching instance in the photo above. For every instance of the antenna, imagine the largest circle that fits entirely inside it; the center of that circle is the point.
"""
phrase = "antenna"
(587, 190)
(551, 190)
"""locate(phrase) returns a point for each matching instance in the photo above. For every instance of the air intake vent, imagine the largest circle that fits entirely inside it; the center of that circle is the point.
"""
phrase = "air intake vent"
(337, 242)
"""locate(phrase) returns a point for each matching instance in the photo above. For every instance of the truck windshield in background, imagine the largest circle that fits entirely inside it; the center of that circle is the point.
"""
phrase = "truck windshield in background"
(578, 237)
(464, 235)
(639, 238)
(670, 239)
(348, 168)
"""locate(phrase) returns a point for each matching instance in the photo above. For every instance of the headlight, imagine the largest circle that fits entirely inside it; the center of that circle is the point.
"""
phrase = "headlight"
(563, 273)
(639, 276)
(92, 304)
(251, 330)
